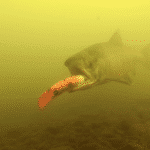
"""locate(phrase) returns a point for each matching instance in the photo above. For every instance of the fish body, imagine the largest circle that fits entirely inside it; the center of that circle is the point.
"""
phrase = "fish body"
(104, 62)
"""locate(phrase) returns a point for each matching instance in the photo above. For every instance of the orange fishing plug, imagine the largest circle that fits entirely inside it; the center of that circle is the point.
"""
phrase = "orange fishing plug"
(58, 89)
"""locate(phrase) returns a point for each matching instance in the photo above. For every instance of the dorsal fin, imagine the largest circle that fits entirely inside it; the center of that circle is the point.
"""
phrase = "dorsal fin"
(116, 39)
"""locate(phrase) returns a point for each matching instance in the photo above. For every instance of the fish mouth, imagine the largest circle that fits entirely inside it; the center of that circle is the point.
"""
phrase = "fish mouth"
(86, 82)
(77, 72)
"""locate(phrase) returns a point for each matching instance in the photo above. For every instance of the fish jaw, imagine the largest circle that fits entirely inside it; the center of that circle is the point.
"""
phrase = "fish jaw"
(84, 84)
(87, 79)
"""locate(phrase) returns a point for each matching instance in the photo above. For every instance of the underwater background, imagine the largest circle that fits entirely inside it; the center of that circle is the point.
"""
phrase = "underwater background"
(36, 39)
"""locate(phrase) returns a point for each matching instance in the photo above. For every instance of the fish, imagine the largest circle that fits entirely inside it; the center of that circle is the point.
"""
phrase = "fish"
(97, 64)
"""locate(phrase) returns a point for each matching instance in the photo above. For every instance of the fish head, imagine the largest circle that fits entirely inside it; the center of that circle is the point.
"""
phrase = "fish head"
(85, 65)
